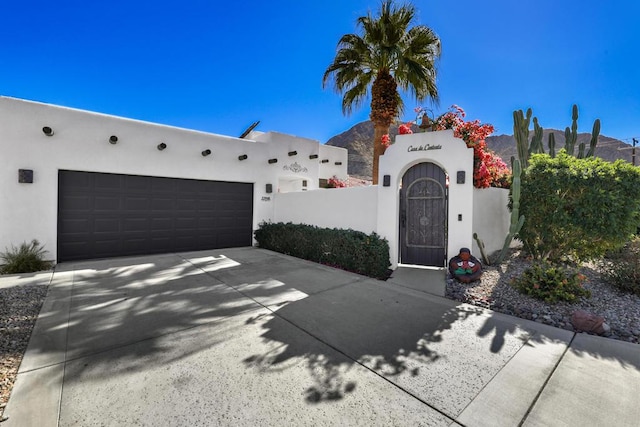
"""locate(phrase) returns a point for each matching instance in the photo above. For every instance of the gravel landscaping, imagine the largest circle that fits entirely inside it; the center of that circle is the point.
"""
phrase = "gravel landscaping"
(620, 310)
(19, 308)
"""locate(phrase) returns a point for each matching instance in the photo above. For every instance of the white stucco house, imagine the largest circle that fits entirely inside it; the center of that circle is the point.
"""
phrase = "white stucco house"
(90, 185)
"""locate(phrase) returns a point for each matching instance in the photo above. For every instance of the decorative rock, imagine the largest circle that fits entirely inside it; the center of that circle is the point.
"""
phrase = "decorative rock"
(587, 322)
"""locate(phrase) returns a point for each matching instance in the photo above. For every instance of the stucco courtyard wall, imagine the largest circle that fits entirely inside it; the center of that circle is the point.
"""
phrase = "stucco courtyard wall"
(81, 142)
(377, 208)
(491, 218)
(354, 208)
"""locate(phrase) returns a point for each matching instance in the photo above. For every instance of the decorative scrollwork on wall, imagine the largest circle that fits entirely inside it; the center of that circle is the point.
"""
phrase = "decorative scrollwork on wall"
(295, 168)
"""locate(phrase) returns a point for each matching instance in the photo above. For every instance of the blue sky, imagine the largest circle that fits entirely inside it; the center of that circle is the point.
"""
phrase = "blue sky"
(219, 66)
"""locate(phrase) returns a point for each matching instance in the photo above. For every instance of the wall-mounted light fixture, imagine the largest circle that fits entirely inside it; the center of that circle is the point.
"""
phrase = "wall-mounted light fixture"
(206, 152)
(243, 157)
(324, 161)
(386, 181)
(162, 146)
(47, 131)
(269, 188)
(113, 139)
(292, 153)
(338, 163)
(272, 161)
(313, 156)
(460, 177)
(25, 176)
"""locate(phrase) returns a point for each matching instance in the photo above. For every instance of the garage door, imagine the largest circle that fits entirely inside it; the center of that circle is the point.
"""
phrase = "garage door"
(108, 215)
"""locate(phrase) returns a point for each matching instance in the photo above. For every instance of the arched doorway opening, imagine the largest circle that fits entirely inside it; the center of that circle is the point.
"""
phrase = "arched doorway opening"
(423, 216)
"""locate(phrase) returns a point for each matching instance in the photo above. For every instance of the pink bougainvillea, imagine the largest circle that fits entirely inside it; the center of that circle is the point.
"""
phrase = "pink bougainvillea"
(405, 129)
(386, 140)
(498, 170)
(452, 119)
(335, 182)
(488, 169)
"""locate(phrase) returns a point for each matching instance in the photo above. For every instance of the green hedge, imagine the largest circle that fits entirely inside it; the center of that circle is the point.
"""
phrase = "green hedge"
(350, 250)
(580, 208)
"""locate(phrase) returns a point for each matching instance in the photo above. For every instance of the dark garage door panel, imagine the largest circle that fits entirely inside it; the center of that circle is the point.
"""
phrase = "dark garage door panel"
(106, 215)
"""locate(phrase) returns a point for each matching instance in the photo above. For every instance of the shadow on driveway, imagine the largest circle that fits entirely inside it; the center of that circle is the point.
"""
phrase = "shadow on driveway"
(249, 327)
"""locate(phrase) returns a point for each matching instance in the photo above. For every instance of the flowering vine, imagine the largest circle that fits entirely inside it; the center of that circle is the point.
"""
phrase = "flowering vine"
(386, 141)
(335, 182)
(489, 170)
(405, 129)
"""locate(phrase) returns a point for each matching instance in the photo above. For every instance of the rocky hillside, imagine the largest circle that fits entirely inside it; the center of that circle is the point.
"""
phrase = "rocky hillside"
(359, 142)
(607, 148)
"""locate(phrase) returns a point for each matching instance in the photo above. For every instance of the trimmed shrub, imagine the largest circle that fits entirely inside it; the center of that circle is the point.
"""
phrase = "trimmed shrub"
(26, 258)
(350, 250)
(577, 208)
(551, 283)
(621, 268)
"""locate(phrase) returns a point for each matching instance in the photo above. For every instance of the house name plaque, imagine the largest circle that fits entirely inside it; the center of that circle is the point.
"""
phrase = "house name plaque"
(425, 147)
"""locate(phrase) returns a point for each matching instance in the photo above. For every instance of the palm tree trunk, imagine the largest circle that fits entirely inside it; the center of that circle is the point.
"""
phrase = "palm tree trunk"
(378, 149)
(384, 110)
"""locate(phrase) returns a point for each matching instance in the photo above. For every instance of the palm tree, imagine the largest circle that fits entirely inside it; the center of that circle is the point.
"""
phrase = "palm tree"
(386, 56)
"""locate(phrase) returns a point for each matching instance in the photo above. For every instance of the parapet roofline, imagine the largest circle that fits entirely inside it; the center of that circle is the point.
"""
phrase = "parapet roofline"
(126, 119)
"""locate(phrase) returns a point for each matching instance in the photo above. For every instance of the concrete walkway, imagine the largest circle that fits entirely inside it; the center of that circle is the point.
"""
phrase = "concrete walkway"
(251, 337)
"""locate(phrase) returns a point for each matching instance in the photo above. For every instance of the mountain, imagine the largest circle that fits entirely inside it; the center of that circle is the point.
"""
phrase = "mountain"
(359, 142)
(609, 149)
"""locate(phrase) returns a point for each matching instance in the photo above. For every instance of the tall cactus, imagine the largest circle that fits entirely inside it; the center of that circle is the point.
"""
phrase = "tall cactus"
(536, 141)
(571, 136)
(526, 148)
(594, 138)
(517, 220)
(521, 134)
(552, 144)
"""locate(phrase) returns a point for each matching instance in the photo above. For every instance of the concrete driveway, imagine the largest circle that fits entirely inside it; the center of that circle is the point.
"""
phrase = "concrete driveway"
(251, 337)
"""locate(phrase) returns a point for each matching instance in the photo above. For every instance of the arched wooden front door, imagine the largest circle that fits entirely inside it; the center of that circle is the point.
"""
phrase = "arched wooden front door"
(423, 216)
